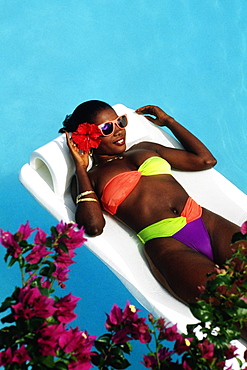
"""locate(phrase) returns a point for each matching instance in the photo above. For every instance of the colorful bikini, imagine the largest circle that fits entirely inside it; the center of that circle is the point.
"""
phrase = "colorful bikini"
(188, 228)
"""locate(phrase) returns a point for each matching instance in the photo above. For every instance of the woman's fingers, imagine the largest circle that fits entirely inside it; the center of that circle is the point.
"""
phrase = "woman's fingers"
(147, 109)
(154, 114)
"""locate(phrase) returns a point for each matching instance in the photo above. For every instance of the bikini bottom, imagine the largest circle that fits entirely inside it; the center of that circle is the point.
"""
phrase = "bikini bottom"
(189, 228)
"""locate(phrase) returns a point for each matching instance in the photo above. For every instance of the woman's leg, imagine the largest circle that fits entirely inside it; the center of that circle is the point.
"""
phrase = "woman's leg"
(221, 231)
(180, 269)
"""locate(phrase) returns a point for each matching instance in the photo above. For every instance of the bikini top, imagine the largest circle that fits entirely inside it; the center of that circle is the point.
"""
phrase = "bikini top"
(120, 186)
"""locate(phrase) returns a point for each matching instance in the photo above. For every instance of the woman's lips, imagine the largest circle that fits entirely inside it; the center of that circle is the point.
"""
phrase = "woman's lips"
(120, 141)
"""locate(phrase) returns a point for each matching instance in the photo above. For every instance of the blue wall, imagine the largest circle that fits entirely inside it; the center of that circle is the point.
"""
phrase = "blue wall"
(187, 56)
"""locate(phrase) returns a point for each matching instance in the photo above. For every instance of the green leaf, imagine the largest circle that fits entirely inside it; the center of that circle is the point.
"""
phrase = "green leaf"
(60, 365)
(105, 338)
(240, 313)
(8, 335)
(31, 267)
(9, 319)
(96, 359)
(117, 352)
(202, 311)
(54, 231)
(44, 291)
(49, 242)
(238, 236)
(126, 347)
(7, 304)
(218, 281)
(119, 363)
(47, 361)
(23, 244)
(63, 247)
(6, 257)
(48, 270)
(13, 366)
(12, 261)
(241, 303)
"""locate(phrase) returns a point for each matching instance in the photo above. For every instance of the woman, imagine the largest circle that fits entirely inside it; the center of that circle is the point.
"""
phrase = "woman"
(183, 241)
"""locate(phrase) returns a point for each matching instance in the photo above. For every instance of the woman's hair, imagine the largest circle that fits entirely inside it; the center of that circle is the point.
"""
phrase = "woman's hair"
(85, 112)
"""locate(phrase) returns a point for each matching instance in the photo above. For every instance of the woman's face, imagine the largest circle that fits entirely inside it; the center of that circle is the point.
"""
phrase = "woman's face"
(115, 142)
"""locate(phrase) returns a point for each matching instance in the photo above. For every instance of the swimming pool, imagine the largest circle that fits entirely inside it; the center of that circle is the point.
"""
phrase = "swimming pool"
(188, 57)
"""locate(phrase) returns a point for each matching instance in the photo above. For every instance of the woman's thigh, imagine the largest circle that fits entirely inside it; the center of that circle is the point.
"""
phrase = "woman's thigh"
(179, 268)
(220, 231)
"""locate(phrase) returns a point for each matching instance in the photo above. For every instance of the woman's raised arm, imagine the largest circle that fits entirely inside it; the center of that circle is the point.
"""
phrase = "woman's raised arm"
(88, 211)
(196, 155)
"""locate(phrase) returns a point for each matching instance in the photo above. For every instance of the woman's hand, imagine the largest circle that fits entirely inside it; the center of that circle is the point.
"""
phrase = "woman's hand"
(80, 159)
(160, 118)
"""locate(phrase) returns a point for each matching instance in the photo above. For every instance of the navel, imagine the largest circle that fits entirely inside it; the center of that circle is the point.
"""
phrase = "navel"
(175, 211)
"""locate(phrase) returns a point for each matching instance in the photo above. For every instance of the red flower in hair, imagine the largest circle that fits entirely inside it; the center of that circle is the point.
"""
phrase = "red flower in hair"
(87, 136)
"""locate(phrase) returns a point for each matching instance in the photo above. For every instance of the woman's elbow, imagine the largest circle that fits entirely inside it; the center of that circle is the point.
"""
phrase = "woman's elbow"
(93, 229)
(210, 162)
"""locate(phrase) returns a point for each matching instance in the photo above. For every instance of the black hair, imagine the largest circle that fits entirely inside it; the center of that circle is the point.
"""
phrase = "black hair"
(85, 112)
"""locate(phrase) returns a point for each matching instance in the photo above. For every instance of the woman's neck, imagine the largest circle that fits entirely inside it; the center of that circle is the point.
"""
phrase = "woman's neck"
(102, 159)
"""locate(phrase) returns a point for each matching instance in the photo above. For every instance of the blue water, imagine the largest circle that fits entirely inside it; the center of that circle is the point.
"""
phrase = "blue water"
(187, 56)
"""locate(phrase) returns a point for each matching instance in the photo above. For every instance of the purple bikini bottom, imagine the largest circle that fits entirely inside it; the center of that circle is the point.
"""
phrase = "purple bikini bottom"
(195, 235)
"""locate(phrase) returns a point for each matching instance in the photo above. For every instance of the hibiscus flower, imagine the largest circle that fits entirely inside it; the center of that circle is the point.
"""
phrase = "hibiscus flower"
(87, 136)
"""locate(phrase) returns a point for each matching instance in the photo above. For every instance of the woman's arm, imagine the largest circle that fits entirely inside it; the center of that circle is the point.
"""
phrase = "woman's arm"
(88, 211)
(196, 155)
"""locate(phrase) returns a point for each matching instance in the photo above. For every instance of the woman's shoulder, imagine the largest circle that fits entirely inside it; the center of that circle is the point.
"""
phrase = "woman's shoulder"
(141, 151)
(143, 145)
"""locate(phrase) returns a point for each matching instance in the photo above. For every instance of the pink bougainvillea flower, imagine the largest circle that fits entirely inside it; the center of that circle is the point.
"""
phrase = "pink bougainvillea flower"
(150, 362)
(182, 344)
(245, 355)
(87, 136)
(170, 333)
(231, 352)
(130, 312)
(45, 283)
(186, 366)
(127, 324)
(243, 228)
(64, 259)
(140, 330)
(121, 336)
(6, 357)
(69, 340)
(33, 303)
(48, 342)
(21, 355)
(76, 341)
(64, 308)
(61, 274)
(207, 349)
(24, 232)
(74, 238)
(79, 344)
(38, 252)
(8, 241)
(114, 318)
(164, 355)
(40, 237)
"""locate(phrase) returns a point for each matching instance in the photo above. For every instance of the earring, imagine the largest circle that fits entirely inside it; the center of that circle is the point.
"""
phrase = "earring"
(91, 152)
